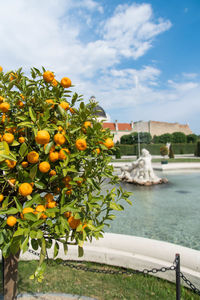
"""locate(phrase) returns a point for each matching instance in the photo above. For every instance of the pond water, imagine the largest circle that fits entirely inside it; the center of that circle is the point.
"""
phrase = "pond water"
(168, 212)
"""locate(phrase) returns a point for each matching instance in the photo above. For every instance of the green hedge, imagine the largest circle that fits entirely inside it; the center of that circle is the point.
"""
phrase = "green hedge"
(154, 149)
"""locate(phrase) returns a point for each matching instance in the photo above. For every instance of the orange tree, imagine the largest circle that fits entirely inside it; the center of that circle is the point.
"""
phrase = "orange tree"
(54, 157)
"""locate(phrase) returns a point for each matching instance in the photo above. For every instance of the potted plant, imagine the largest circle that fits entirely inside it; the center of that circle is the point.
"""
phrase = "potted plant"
(164, 151)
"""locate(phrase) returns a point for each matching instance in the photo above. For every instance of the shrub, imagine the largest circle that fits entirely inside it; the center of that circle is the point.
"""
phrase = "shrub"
(197, 150)
(178, 137)
(41, 110)
(192, 138)
(164, 151)
(171, 152)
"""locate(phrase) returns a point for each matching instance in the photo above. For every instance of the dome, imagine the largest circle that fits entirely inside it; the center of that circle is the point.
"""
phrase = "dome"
(99, 112)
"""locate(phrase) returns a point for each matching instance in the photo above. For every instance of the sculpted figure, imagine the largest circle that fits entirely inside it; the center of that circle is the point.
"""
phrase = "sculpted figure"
(140, 171)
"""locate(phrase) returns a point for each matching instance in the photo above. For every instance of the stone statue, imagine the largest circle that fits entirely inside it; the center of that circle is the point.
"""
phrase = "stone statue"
(140, 171)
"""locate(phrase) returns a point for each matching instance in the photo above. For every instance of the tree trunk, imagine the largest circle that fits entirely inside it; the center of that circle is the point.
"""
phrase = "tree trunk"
(10, 276)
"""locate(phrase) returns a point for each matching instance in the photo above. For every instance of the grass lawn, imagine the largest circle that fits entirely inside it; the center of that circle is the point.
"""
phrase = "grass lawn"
(62, 279)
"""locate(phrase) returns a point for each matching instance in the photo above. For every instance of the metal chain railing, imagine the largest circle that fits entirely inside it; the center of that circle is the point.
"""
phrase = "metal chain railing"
(175, 267)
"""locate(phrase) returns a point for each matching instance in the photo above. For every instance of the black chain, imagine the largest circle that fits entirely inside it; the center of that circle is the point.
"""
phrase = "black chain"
(190, 284)
(122, 271)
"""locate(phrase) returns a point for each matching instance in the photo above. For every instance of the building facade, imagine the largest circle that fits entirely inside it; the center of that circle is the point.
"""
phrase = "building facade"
(153, 127)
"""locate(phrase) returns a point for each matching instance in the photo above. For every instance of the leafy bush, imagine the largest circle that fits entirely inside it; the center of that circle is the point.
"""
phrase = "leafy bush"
(171, 152)
(197, 150)
(192, 138)
(164, 151)
(53, 159)
(178, 137)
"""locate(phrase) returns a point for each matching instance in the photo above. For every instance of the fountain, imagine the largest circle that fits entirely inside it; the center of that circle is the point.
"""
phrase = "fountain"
(141, 171)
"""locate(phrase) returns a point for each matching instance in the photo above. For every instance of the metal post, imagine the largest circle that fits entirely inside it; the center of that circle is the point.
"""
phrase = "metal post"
(178, 282)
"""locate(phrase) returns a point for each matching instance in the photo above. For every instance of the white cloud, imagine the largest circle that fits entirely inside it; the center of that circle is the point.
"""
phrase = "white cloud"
(49, 33)
(131, 29)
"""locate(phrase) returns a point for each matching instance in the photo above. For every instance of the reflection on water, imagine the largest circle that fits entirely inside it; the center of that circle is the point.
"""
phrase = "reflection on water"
(168, 212)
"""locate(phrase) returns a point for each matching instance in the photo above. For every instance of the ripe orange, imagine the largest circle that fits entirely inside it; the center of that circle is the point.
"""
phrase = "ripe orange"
(24, 164)
(60, 128)
(54, 82)
(3, 118)
(20, 103)
(4, 107)
(97, 150)
(62, 154)
(81, 144)
(8, 137)
(11, 221)
(72, 111)
(64, 105)
(66, 179)
(10, 163)
(53, 156)
(1, 99)
(27, 210)
(109, 143)
(1, 197)
(51, 204)
(21, 139)
(73, 223)
(68, 192)
(59, 139)
(50, 101)
(12, 181)
(1, 69)
(48, 197)
(40, 208)
(22, 96)
(33, 157)
(42, 137)
(25, 189)
(52, 173)
(44, 167)
(87, 124)
(66, 82)
(67, 214)
(13, 76)
(48, 76)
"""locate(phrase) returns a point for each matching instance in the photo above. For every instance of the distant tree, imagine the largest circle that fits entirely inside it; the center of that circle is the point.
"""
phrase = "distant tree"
(126, 139)
(144, 137)
(155, 139)
(192, 138)
(171, 152)
(164, 138)
(179, 137)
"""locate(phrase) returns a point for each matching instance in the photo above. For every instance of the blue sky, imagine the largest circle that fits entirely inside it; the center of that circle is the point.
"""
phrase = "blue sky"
(141, 59)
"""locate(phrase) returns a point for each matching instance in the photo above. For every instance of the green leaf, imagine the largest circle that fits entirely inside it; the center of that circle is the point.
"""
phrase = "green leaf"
(15, 244)
(23, 150)
(18, 204)
(4, 149)
(24, 245)
(32, 114)
(115, 206)
(36, 199)
(20, 231)
(15, 143)
(11, 211)
(40, 185)
(1, 238)
(33, 172)
(26, 124)
(7, 157)
(48, 147)
(39, 234)
(56, 249)
(30, 216)
(34, 244)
